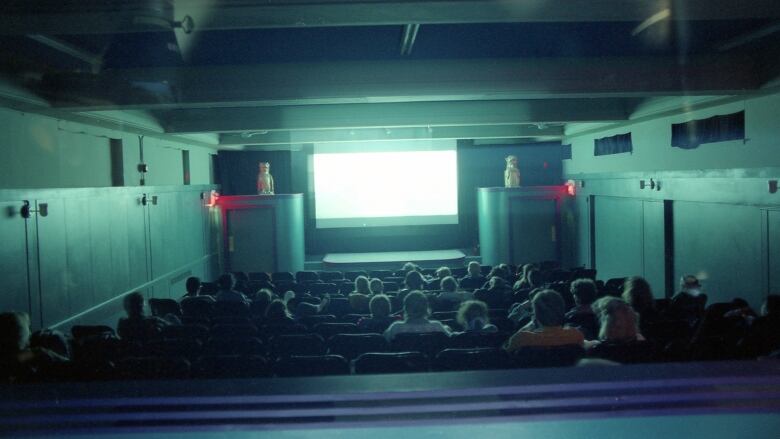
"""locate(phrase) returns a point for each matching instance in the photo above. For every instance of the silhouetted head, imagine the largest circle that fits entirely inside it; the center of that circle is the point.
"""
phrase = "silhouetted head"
(379, 305)
(415, 305)
(449, 284)
(414, 280)
(584, 291)
(637, 293)
(362, 285)
(473, 314)
(549, 308)
(14, 332)
(192, 285)
(227, 281)
(475, 270)
(134, 305)
(376, 286)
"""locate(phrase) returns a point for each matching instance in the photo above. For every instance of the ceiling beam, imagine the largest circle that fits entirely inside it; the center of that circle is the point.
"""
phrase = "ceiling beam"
(402, 133)
(406, 81)
(392, 115)
(59, 18)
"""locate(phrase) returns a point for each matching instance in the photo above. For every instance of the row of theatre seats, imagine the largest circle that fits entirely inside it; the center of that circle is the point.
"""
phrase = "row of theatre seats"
(191, 351)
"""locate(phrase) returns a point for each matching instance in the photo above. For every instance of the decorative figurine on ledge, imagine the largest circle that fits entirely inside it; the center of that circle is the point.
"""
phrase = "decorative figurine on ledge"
(511, 174)
(265, 181)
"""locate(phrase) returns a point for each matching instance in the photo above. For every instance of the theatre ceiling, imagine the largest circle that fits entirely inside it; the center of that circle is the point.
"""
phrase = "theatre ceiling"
(279, 73)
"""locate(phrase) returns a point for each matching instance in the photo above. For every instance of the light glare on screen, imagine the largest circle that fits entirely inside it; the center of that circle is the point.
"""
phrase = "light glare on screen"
(385, 184)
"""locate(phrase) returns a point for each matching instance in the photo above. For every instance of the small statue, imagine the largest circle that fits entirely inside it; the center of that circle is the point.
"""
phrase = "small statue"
(265, 181)
(511, 174)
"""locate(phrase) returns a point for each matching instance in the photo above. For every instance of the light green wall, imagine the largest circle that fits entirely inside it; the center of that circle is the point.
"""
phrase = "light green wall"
(653, 151)
(43, 152)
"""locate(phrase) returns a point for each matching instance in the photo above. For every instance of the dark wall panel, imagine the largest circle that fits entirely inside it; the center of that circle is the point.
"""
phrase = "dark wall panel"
(720, 243)
(13, 258)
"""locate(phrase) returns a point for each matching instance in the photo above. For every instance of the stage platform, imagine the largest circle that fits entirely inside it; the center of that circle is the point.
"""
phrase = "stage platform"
(393, 260)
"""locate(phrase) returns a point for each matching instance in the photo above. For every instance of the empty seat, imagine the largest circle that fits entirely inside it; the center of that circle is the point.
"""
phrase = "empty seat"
(306, 276)
(153, 368)
(233, 331)
(220, 346)
(231, 366)
(327, 330)
(282, 276)
(312, 321)
(328, 276)
(471, 359)
(466, 340)
(548, 356)
(83, 331)
(351, 346)
(391, 362)
(163, 307)
(296, 344)
(429, 343)
(296, 366)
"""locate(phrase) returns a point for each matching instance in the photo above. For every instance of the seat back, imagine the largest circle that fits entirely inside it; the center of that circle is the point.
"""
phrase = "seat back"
(381, 274)
(83, 331)
(163, 307)
(319, 289)
(310, 365)
(267, 332)
(259, 277)
(233, 331)
(192, 306)
(351, 346)
(429, 343)
(328, 330)
(221, 346)
(391, 362)
(189, 332)
(466, 340)
(471, 359)
(282, 276)
(143, 368)
(306, 276)
(329, 276)
(352, 274)
(231, 366)
(312, 321)
(339, 306)
(174, 347)
(296, 345)
(628, 353)
(230, 309)
(548, 356)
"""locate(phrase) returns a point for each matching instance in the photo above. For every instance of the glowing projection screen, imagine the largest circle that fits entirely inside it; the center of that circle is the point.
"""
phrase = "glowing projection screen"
(385, 188)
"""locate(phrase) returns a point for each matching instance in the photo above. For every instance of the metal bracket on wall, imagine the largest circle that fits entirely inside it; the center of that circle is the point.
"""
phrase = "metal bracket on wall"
(145, 200)
(26, 210)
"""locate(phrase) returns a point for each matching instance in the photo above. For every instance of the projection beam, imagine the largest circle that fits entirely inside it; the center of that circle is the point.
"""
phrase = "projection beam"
(60, 18)
(409, 81)
(408, 114)
(531, 132)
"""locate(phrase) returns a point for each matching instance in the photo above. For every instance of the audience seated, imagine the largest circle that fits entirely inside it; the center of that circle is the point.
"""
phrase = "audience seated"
(277, 314)
(450, 294)
(474, 279)
(380, 315)
(435, 283)
(473, 317)
(637, 293)
(358, 299)
(227, 293)
(549, 314)
(233, 328)
(137, 326)
(19, 361)
(416, 312)
(582, 316)
(763, 336)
